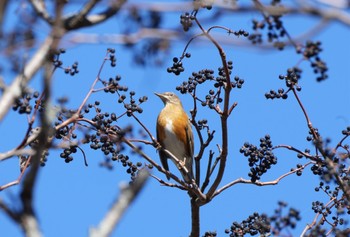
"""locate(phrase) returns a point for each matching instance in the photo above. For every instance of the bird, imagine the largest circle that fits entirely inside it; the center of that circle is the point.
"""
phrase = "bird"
(174, 133)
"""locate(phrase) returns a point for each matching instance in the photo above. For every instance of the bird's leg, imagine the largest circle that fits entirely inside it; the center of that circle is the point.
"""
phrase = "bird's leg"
(181, 165)
(157, 145)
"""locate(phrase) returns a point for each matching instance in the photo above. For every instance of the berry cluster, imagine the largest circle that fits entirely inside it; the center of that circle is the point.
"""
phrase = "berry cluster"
(346, 131)
(276, 95)
(203, 123)
(311, 52)
(275, 31)
(319, 207)
(112, 85)
(104, 135)
(280, 222)
(335, 193)
(291, 80)
(210, 234)
(186, 21)
(222, 77)
(22, 105)
(196, 78)
(107, 140)
(241, 33)
(260, 159)
(238, 82)
(255, 38)
(329, 215)
(72, 70)
(57, 63)
(112, 58)
(63, 131)
(253, 225)
(67, 153)
(124, 159)
(299, 169)
(213, 97)
(317, 232)
(292, 77)
(132, 106)
(177, 67)
(319, 168)
(312, 49)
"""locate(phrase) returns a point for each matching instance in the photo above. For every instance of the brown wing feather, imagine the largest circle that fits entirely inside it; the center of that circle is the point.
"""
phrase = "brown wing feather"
(189, 135)
(184, 133)
(160, 137)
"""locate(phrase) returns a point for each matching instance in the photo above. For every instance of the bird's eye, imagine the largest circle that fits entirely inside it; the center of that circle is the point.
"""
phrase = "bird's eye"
(170, 94)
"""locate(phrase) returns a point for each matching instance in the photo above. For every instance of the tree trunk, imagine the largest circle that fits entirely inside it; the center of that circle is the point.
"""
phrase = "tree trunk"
(195, 218)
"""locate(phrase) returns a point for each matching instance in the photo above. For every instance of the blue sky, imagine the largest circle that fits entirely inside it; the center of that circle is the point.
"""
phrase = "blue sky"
(71, 198)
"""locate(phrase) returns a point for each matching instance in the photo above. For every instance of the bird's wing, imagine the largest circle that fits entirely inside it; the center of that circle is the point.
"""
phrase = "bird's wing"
(162, 156)
(189, 152)
(189, 138)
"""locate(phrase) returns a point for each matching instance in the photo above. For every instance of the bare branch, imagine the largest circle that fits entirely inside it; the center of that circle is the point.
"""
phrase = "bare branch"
(143, 33)
(40, 9)
(14, 216)
(223, 116)
(113, 216)
(29, 221)
(83, 12)
(18, 180)
(15, 89)
(17, 151)
(192, 187)
(258, 183)
(314, 222)
(78, 21)
(330, 13)
(209, 171)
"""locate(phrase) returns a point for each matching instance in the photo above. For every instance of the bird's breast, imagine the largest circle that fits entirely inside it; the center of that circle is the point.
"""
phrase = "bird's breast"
(172, 142)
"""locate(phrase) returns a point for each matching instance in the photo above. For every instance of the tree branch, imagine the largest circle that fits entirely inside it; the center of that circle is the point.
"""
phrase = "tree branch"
(40, 9)
(258, 183)
(15, 89)
(79, 21)
(195, 217)
(29, 221)
(115, 213)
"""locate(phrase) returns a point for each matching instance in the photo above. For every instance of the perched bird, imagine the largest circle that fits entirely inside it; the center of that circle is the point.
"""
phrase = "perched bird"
(174, 133)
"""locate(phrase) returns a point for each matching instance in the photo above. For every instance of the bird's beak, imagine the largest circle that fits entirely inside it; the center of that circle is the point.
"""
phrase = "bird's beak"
(157, 94)
(161, 96)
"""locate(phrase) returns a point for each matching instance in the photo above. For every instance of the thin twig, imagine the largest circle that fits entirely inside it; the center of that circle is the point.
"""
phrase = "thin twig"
(258, 183)
(209, 172)
(18, 180)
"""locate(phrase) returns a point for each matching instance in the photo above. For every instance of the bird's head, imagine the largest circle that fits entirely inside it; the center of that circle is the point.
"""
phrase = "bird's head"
(168, 98)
